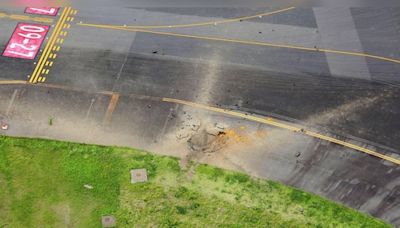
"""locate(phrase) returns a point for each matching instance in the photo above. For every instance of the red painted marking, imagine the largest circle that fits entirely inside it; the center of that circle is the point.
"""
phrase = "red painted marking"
(26, 41)
(49, 11)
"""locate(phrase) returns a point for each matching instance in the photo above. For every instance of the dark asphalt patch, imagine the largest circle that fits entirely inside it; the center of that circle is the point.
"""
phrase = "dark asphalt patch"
(374, 24)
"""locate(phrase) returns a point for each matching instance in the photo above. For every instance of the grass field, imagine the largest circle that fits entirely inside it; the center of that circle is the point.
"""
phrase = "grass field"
(42, 186)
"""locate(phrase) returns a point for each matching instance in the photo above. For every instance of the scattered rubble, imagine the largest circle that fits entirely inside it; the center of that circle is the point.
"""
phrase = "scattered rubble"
(202, 141)
(221, 126)
(207, 138)
(182, 134)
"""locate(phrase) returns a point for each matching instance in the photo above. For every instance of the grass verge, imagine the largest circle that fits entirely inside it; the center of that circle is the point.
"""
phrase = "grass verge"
(42, 185)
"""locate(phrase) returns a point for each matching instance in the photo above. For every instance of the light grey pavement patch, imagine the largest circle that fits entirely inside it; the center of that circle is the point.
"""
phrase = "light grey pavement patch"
(337, 31)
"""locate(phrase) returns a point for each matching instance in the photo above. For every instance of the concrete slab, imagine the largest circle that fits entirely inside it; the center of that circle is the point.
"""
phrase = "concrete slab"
(337, 31)
(138, 176)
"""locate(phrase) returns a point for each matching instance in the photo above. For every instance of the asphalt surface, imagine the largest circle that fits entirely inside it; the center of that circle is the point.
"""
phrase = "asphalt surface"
(354, 98)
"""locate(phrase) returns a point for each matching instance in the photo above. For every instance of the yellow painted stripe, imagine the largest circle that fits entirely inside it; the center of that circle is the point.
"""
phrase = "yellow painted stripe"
(55, 33)
(25, 18)
(33, 78)
(212, 22)
(67, 26)
(247, 42)
(269, 121)
(19, 17)
(52, 40)
(279, 124)
(353, 146)
(12, 82)
(45, 20)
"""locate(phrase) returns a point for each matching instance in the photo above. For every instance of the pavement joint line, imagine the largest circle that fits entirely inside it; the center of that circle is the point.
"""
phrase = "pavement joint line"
(247, 42)
(212, 22)
(265, 120)
(26, 18)
(49, 45)
(111, 107)
(90, 109)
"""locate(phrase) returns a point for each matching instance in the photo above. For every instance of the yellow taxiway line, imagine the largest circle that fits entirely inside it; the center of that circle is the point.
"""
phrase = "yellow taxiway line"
(52, 46)
(12, 82)
(43, 59)
(217, 22)
(25, 18)
(246, 42)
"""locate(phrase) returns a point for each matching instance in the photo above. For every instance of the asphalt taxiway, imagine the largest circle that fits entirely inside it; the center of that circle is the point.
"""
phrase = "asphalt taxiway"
(329, 71)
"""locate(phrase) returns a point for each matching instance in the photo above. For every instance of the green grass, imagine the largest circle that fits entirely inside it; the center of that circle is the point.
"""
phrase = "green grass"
(42, 186)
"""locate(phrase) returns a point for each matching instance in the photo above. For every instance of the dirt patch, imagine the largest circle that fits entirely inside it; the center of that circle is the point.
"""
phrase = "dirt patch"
(63, 212)
(210, 140)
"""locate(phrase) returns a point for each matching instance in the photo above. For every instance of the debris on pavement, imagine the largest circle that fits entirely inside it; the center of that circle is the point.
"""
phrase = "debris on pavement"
(4, 126)
(182, 134)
